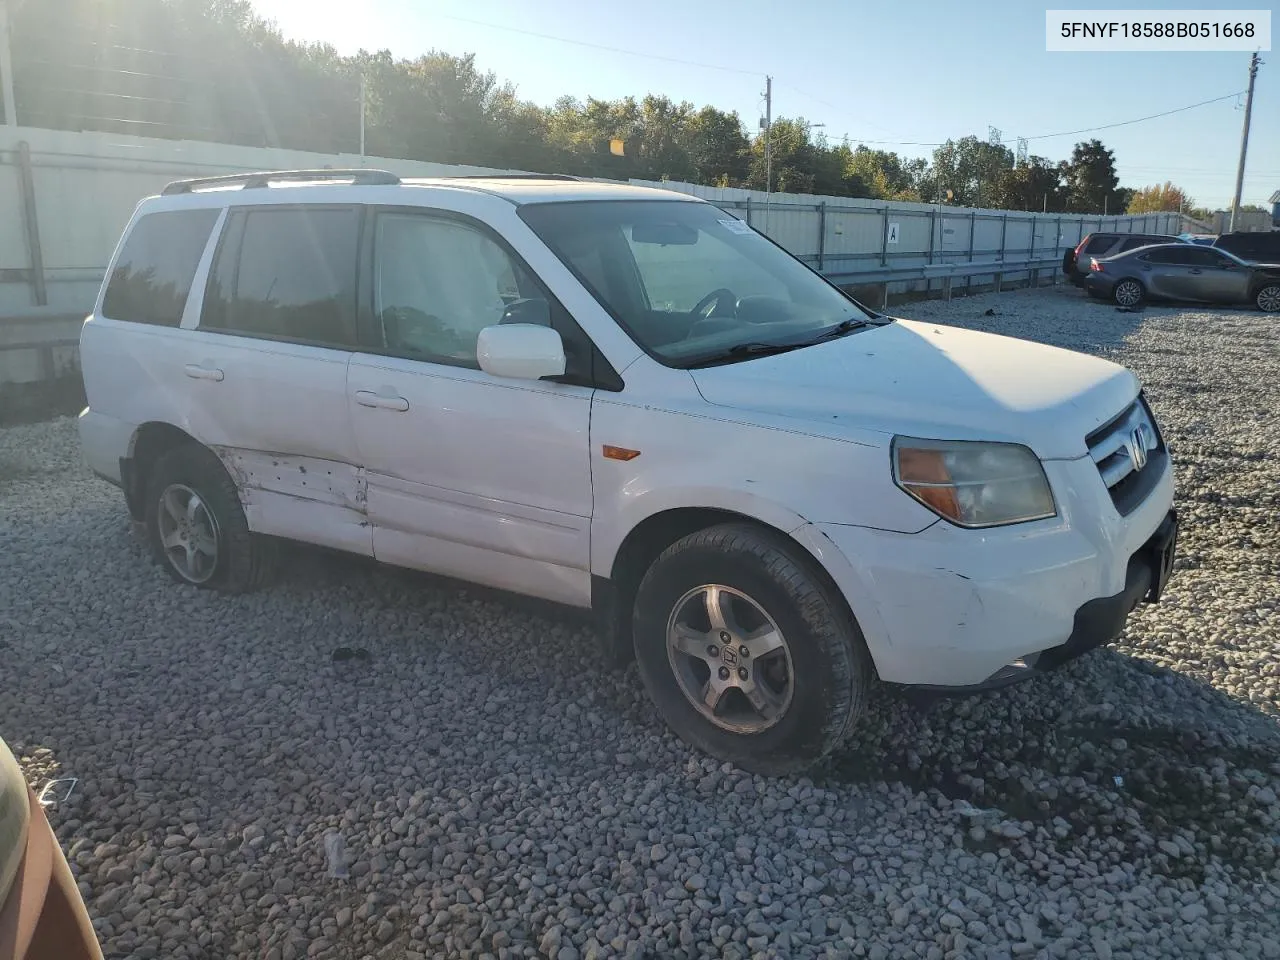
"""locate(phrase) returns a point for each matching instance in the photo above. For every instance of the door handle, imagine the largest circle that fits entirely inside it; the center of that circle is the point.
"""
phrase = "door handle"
(1196, 270)
(367, 398)
(197, 372)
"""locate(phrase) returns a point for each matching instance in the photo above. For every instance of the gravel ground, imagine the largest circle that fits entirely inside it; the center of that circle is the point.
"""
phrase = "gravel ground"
(497, 792)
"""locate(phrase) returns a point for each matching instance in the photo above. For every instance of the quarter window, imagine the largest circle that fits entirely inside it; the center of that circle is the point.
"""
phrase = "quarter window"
(288, 274)
(152, 276)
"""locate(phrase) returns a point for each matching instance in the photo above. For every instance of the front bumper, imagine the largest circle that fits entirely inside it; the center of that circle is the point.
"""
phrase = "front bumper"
(955, 609)
(1096, 622)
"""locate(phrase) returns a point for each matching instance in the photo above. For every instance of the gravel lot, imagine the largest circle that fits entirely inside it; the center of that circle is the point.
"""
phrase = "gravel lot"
(498, 792)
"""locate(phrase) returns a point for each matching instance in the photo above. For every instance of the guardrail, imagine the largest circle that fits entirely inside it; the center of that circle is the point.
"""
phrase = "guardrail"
(947, 272)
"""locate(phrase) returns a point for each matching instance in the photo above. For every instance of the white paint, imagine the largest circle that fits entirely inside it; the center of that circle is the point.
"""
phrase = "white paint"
(501, 480)
(520, 351)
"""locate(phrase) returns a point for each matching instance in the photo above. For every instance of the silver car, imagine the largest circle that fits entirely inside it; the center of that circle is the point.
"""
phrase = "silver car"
(1183, 271)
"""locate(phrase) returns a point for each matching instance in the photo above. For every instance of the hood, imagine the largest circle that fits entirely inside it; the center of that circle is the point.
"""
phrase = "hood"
(930, 380)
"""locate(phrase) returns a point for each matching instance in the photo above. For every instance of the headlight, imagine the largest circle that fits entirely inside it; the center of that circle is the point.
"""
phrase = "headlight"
(973, 484)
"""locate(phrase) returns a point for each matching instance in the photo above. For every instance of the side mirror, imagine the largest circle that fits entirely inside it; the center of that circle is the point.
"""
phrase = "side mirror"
(520, 351)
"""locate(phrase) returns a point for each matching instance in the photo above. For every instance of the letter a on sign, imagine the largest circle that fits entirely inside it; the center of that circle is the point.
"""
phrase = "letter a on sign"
(893, 233)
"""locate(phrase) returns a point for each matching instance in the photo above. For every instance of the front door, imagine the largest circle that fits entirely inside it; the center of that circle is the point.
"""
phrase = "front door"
(472, 476)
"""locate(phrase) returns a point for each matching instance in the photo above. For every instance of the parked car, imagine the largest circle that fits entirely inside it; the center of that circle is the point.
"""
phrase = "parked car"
(621, 399)
(1257, 247)
(1186, 272)
(42, 914)
(1075, 262)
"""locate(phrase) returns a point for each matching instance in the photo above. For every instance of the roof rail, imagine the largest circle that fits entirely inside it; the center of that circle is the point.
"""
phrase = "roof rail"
(249, 181)
(512, 176)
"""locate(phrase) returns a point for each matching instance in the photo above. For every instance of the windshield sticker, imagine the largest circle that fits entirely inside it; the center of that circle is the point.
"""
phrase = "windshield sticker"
(737, 226)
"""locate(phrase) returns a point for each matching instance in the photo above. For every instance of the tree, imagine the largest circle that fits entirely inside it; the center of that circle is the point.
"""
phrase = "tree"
(886, 175)
(971, 168)
(1090, 180)
(1035, 184)
(719, 149)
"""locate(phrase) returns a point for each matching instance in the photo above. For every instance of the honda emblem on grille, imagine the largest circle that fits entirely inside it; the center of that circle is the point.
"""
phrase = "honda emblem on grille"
(1136, 446)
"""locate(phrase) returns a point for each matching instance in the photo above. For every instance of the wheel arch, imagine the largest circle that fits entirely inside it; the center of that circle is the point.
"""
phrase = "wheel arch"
(613, 590)
(149, 442)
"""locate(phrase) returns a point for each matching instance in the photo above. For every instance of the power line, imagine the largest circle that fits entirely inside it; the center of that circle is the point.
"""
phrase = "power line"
(1064, 133)
(600, 46)
(1125, 123)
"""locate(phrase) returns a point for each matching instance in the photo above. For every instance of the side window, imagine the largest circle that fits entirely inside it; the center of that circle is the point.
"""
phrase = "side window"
(1099, 243)
(287, 274)
(1168, 255)
(1204, 257)
(1135, 243)
(153, 274)
(437, 283)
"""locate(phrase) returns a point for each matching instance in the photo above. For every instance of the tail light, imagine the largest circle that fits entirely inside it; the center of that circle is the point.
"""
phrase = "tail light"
(1095, 266)
(1080, 247)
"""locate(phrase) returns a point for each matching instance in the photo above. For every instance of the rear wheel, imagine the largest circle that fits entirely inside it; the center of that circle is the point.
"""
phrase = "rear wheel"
(1268, 298)
(1128, 293)
(196, 527)
(747, 652)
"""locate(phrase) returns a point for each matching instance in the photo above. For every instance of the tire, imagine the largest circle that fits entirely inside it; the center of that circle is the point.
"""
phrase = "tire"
(241, 561)
(1123, 292)
(1267, 299)
(823, 652)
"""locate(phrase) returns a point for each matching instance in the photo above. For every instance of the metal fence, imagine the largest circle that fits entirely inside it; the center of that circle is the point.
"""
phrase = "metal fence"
(853, 240)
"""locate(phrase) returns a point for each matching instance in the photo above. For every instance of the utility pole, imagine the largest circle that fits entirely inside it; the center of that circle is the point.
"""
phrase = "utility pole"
(768, 146)
(6, 67)
(1244, 141)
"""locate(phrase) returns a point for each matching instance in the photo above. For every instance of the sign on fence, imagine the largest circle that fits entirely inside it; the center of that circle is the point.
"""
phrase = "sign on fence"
(893, 233)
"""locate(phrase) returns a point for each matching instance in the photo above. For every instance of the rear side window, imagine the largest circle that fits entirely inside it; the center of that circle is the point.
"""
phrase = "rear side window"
(1135, 242)
(1100, 242)
(287, 274)
(153, 274)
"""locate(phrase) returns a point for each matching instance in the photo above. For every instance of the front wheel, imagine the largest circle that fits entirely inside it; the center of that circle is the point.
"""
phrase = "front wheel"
(1268, 298)
(1128, 293)
(747, 652)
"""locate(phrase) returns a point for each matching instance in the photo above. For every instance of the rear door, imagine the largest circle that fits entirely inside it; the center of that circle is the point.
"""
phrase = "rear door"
(266, 369)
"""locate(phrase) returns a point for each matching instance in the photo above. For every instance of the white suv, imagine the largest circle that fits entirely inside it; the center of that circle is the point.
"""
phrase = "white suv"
(621, 399)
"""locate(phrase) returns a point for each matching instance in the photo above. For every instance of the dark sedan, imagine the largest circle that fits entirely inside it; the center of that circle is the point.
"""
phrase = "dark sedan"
(1183, 271)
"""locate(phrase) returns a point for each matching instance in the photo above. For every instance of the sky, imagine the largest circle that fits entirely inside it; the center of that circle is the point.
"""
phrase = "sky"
(906, 73)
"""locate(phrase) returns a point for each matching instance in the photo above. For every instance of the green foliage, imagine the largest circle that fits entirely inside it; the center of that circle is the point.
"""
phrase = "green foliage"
(213, 70)
(1091, 181)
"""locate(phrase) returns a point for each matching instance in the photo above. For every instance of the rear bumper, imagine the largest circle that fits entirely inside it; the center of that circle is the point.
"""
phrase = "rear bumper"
(103, 441)
(1097, 283)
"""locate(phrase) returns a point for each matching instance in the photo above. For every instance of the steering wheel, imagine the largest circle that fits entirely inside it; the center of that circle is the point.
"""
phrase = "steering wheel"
(708, 306)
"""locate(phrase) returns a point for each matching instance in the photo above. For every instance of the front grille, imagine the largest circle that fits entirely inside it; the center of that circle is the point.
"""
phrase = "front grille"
(1118, 448)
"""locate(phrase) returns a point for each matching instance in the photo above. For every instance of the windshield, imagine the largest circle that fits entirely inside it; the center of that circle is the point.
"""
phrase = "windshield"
(688, 281)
